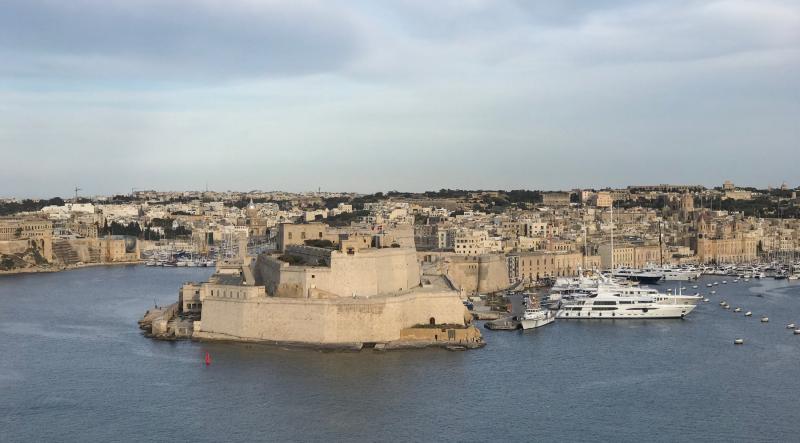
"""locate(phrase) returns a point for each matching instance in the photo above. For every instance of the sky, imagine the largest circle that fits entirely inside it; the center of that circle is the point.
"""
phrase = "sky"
(412, 95)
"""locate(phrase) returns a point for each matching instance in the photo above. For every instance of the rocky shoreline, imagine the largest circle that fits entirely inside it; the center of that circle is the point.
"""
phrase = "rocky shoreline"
(50, 269)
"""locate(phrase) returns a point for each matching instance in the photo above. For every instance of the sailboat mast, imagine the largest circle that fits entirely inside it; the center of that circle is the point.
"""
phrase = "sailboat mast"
(612, 238)
(660, 245)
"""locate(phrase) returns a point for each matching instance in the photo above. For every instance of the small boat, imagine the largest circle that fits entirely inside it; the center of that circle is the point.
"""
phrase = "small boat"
(790, 326)
(709, 285)
(737, 310)
(727, 306)
(694, 287)
(738, 341)
(736, 281)
(797, 332)
(722, 303)
(764, 319)
(705, 300)
(535, 318)
(713, 292)
(748, 314)
(724, 282)
(716, 283)
(747, 279)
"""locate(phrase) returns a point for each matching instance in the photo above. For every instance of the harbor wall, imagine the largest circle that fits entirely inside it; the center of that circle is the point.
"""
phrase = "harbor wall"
(327, 321)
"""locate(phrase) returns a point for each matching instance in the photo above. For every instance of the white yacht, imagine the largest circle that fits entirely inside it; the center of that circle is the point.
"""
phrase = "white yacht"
(677, 273)
(581, 287)
(617, 303)
(535, 318)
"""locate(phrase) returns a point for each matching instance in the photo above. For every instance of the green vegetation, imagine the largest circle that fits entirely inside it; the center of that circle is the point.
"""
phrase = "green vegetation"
(345, 218)
(7, 263)
(291, 259)
(319, 243)
(28, 205)
(135, 230)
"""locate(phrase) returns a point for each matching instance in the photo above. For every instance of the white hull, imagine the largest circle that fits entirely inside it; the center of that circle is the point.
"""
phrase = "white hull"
(532, 324)
(624, 312)
(679, 276)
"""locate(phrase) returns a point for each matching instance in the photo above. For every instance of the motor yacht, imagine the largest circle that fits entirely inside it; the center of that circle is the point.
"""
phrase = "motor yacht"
(616, 303)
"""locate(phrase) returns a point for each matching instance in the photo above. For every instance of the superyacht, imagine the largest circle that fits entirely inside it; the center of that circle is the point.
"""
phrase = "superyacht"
(611, 302)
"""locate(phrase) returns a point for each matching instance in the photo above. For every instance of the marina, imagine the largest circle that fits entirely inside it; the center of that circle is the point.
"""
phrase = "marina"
(87, 317)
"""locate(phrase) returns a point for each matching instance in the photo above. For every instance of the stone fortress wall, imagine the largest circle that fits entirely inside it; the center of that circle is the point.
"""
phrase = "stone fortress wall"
(478, 274)
(327, 321)
(365, 272)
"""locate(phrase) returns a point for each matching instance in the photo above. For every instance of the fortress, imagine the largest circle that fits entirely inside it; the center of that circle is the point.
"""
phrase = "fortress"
(352, 296)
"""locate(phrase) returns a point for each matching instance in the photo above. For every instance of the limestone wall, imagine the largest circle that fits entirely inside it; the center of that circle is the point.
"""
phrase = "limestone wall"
(326, 321)
(369, 272)
(14, 246)
(478, 274)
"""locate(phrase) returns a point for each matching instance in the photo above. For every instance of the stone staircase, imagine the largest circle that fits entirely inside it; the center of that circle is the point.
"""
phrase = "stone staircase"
(94, 255)
(63, 252)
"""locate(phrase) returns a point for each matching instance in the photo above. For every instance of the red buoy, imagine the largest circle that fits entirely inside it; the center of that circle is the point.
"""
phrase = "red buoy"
(208, 359)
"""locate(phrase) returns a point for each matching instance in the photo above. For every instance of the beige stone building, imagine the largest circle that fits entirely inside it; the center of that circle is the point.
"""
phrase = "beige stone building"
(556, 198)
(297, 234)
(720, 240)
(603, 199)
(19, 234)
(470, 242)
(631, 256)
(533, 266)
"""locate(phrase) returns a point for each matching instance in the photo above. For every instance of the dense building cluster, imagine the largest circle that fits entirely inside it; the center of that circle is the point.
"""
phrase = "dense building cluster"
(532, 235)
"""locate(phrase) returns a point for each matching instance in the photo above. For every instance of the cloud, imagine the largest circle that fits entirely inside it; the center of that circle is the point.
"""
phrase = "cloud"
(172, 40)
(415, 94)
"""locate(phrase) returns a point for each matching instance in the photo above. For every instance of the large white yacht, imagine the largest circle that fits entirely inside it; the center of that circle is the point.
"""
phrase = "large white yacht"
(611, 302)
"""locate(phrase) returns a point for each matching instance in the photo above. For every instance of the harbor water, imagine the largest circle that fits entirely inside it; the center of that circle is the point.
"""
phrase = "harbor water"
(75, 367)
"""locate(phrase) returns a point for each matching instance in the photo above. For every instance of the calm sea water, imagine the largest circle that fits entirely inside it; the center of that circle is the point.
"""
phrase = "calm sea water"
(74, 367)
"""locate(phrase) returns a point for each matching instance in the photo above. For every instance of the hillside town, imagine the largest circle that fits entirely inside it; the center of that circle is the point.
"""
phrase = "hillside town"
(484, 240)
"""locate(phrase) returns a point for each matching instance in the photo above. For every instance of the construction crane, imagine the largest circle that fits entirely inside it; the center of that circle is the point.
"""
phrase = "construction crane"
(76, 193)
